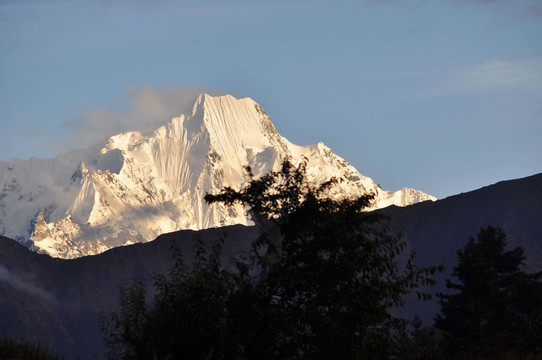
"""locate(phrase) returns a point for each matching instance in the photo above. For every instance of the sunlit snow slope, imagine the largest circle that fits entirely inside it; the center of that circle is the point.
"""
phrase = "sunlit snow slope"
(137, 187)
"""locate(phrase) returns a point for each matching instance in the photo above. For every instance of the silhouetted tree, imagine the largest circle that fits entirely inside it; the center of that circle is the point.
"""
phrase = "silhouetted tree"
(496, 309)
(320, 282)
(332, 277)
(21, 349)
(194, 314)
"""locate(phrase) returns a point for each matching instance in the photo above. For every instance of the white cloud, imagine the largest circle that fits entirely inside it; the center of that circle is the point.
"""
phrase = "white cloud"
(150, 108)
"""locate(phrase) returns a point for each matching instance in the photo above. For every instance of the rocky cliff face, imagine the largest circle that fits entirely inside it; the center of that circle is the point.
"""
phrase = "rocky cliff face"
(136, 187)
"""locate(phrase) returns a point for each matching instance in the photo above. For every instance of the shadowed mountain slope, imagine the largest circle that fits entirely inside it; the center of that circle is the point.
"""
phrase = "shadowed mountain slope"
(436, 230)
(56, 301)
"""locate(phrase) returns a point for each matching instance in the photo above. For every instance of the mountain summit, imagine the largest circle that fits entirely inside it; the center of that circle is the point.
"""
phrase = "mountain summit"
(136, 186)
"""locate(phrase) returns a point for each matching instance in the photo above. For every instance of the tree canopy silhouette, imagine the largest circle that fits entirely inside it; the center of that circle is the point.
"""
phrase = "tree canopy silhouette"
(321, 281)
(496, 309)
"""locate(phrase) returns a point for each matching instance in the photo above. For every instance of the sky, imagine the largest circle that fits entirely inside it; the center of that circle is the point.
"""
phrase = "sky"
(441, 96)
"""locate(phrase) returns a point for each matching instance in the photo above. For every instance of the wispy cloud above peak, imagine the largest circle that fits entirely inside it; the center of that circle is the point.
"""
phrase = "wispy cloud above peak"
(150, 107)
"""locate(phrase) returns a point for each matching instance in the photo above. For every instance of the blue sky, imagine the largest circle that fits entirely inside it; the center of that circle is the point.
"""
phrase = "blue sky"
(442, 96)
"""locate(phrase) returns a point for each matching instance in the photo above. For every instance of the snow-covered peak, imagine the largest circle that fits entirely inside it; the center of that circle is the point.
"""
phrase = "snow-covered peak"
(137, 186)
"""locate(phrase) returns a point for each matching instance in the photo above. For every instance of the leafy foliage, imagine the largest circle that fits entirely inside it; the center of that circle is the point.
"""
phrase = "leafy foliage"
(337, 276)
(15, 349)
(320, 282)
(496, 309)
(190, 317)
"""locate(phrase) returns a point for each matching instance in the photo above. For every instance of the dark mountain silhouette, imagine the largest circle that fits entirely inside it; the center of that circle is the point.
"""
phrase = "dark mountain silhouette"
(436, 230)
(56, 301)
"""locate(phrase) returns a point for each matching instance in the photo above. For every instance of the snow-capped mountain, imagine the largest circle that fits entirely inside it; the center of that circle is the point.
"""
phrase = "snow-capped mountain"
(136, 186)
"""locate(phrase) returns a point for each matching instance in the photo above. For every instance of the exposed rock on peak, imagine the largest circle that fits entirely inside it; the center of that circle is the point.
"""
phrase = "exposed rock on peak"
(138, 186)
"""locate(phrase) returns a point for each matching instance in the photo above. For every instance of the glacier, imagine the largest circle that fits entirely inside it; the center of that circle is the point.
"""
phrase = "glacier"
(136, 186)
